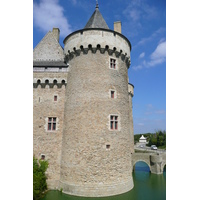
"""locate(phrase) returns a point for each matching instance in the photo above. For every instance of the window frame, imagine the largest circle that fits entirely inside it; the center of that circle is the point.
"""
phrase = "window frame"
(55, 98)
(51, 123)
(114, 95)
(112, 90)
(114, 122)
(113, 61)
(42, 156)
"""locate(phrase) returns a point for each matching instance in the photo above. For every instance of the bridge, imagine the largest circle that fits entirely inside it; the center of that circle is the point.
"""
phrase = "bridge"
(155, 161)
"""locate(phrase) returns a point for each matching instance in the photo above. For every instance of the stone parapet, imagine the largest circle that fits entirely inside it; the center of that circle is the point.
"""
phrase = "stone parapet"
(103, 40)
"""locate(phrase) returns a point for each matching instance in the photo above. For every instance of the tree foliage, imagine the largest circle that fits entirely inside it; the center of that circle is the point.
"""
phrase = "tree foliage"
(39, 178)
(158, 139)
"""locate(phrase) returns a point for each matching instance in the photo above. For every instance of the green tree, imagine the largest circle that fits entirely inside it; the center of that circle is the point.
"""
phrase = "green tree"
(39, 178)
(152, 140)
(161, 138)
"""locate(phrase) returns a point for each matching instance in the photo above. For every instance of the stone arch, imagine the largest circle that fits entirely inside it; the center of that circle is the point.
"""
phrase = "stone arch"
(140, 160)
(164, 166)
(55, 81)
(38, 81)
(98, 46)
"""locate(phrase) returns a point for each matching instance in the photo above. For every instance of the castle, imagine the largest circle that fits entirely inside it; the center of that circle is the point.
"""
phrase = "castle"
(82, 107)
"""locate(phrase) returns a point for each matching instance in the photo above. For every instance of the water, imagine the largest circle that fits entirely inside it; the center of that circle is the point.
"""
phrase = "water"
(147, 186)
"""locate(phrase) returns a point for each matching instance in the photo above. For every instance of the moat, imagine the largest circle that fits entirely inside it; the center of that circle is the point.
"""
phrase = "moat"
(147, 186)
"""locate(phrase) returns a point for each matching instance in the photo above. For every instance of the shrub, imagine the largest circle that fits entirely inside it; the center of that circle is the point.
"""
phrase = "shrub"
(39, 178)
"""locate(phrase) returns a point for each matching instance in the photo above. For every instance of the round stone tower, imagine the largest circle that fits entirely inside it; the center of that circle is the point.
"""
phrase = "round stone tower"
(97, 144)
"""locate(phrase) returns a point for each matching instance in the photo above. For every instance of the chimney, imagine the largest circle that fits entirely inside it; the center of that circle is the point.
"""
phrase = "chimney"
(118, 27)
(56, 33)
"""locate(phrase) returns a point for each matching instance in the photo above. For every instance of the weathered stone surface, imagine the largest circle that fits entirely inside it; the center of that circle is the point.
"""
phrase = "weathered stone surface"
(86, 157)
(155, 161)
(94, 37)
(48, 49)
(46, 142)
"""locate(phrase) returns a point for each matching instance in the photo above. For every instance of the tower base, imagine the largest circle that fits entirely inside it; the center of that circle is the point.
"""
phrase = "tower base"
(96, 190)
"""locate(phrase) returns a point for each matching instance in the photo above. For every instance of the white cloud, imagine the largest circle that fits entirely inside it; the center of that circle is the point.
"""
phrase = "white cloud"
(160, 51)
(74, 2)
(142, 55)
(149, 106)
(48, 14)
(160, 112)
(138, 67)
(151, 37)
(140, 124)
(148, 113)
(134, 14)
(138, 9)
(156, 58)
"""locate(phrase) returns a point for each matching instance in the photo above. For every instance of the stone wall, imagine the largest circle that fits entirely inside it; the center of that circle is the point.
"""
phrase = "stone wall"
(95, 37)
(47, 142)
(145, 157)
(96, 160)
(156, 164)
(86, 157)
(155, 161)
(130, 90)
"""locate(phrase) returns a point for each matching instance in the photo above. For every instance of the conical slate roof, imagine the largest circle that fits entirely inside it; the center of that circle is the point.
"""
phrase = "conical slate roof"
(96, 20)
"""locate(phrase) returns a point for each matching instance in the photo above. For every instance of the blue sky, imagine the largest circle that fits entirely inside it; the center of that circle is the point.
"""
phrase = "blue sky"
(143, 23)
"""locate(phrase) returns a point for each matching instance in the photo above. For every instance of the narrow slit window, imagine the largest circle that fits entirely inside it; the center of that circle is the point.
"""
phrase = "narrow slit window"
(112, 94)
(55, 98)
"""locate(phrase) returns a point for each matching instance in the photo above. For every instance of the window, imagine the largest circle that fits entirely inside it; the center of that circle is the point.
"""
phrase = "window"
(55, 98)
(42, 157)
(112, 94)
(112, 63)
(114, 122)
(51, 123)
(108, 146)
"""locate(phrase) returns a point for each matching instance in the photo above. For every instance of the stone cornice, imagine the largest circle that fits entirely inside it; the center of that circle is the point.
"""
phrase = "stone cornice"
(47, 84)
(118, 53)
